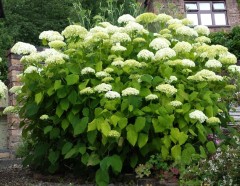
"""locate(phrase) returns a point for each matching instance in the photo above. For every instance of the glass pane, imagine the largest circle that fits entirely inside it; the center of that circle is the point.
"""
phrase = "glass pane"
(206, 19)
(191, 6)
(193, 17)
(204, 6)
(220, 19)
(218, 6)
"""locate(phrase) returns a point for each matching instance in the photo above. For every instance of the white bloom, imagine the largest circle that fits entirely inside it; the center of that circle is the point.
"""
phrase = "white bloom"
(117, 63)
(213, 63)
(108, 70)
(44, 117)
(74, 31)
(145, 54)
(102, 74)
(171, 79)
(3, 90)
(87, 90)
(151, 97)
(51, 35)
(132, 63)
(130, 91)
(167, 89)
(111, 29)
(30, 69)
(16, 90)
(203, 39)
(87, 70)
(174, 21)
(51, 52)
(103, 87)
(126, 18)
(182, 47)
(104, 24)
(57, 44)
(186, 31)
(165, 53)
(234, 68)
(159, 43)
(228, 59)
(213, 120)
(198, 115)
(21, 48)
(0, 59)
(112, 95)
(114, 134)
(187, 22)
(57, 59)
(176, 103)
(10, 110)
(163, 18)
(118, 48)
(205, 75)
(97, 29)
(135, 27)
(120, 37)
(202, 30)
(188, 63)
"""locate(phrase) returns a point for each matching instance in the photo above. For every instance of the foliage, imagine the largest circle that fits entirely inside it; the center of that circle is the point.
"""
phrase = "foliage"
(113, 96)
(220, 169)
(230, 39)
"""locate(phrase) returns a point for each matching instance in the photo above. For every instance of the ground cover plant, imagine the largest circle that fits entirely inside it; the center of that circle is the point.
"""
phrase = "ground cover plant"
(101, 101)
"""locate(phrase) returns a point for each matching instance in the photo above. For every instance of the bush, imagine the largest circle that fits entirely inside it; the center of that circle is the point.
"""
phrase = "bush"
(106, 99)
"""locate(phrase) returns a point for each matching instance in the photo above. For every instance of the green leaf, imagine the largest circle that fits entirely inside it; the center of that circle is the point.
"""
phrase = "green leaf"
(64, 104)
(187, 154)
(62, 92)
(133, 160)
(72, 79)
(147, 78)
(176, 152)
(85, 112)
(38, 97)
(115, 119)
(99, 66)
(167, 141)
(211, 147)
(73, 97)
(105, 128)
(57, 84)
(142, 140)
(193, 96)
(65, 124)
(47, 129)
(59, 111)
(82, 149)
(202, 85)
(83, 85)
(192, 132)
(102, 177)
(93, 160)
(91, 136)
(53, 156)
(202, 152)
(116, 163)
(156, 125)
(123, 123)
(139, 123)
(80, 127)
(164, 152)
(71, 153)
(54, 133)
(66, 148)
(132, 135)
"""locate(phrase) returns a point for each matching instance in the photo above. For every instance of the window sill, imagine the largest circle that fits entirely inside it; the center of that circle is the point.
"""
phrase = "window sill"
(219, 26)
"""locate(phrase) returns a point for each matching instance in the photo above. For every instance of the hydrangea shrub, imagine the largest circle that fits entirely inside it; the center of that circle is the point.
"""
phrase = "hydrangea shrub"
(107, 98)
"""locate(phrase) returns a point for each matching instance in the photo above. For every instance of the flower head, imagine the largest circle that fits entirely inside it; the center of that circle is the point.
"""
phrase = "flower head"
(146, 18)
(117, 63)
(30, 69)
(74, 31)
(228, 59)
(159, 43)
(186, 31)
(167, 89)
(165, 53)
(213, 120)
(87, 70)
(102, 74)
(213, 63)
(112, 95)
(171, 79)
(44, 117)
(118, 48)
(57, 44)
(114, 134)
(198, 115)
(163, 18)
(130, 91)
(126, 18)
(145, 54)
(16, 90)
(132, 63)
(234, 68)
(51, 35)
(103, 87)
(3, 90)
(10, 110)
(151, 97)
(21, 48)
(176, 103)
(202, 30)
(87, 90)
(120, 37)
(205, 75)
(182, 47)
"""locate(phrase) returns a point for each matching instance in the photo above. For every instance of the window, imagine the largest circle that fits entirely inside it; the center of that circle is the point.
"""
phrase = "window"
(209, 13)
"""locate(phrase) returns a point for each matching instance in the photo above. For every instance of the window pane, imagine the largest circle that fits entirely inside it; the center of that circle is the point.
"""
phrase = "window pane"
(206, 19)
(218, 6)
(193, 17)
(191, 6)
(220, 19)
(204, 6)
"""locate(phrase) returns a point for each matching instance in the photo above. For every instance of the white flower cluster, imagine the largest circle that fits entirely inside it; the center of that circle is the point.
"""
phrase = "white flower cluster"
(132, 63)
(165, 53)
(10, 110)
(74, 31)
(108, 70)
(117, 63)
(16, 90)
(145, 54)
(130, 91)
(205, 75)
(198, 115)
(103, 87)
(126, 18)
(112, 95)
(213, 120)
(22, 48)
(228, 59)
(182, 47)
(159, 43)
(111, 29)
(97, 29)
(44, 117)
(163, 18)
(146, 18)
(187, 22)
(3, 90)
(30, 69)
(151, 97)
(174, 21)
(118, 48)
(120, 37)
(171, 79)
(188, 63)
(213, 63)
(176, 103)
(202, 30)
(203, 39)
(87, 70)
(87, 90)
(56, 59)
(186, 31)
(234, 68)
(51, 35)
(114, 134)
(135, 27)
(102, 74)
(167, 89)
(57, 44)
